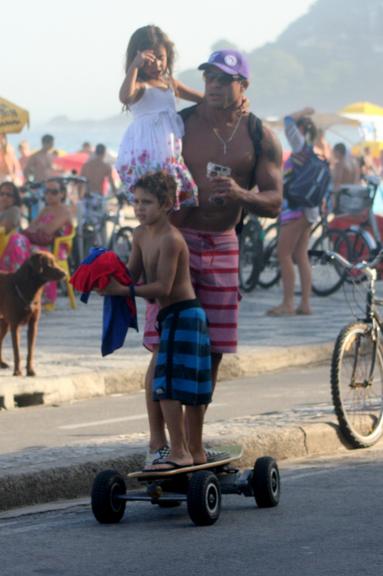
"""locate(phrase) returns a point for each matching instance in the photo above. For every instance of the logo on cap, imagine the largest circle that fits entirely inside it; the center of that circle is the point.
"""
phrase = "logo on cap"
(230, 60)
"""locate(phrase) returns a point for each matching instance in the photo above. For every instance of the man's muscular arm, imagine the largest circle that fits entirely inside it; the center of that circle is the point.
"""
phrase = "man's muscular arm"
(265, 198)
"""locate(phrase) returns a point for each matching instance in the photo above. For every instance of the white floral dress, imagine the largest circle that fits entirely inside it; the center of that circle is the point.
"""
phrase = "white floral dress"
(153, 142)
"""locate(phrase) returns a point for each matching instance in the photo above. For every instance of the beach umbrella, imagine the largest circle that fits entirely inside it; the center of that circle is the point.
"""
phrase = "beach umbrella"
(363, 108)
(370, 117)
(71, 162)
(12, 117)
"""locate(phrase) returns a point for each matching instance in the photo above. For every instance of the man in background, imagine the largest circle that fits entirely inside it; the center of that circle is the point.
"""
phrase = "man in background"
(345, 169)
(97, 171)
(39, 166)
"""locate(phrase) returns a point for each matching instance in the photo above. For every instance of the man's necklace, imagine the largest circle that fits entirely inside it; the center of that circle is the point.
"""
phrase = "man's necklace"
(226, 142)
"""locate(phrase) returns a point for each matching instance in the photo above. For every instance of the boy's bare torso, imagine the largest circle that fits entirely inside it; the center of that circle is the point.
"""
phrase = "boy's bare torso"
(154, 250)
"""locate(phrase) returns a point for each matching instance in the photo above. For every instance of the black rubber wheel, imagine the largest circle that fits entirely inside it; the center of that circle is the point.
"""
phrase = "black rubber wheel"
(106, 506)
(266, 482)
(271, 272)
(357, 385)
(204, 498)
(250, 253)
(328, 277)
(121, 243)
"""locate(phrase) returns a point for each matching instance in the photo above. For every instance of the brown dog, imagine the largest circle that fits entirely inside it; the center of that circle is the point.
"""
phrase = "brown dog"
(20, 303)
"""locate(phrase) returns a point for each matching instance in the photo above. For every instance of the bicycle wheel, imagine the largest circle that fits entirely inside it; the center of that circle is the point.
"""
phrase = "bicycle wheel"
(121, 243)
(362, 246)
(357, 384)
(327, 277)
(271, 272)
(250, 254)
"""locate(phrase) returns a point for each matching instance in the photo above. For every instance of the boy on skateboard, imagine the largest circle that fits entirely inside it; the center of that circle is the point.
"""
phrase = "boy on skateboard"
(182, 373)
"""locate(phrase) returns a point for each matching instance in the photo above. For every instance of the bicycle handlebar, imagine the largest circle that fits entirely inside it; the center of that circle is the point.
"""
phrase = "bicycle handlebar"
(367, 267)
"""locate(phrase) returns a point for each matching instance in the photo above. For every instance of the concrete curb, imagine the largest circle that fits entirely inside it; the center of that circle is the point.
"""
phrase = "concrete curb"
(56, 388)
(54, 482)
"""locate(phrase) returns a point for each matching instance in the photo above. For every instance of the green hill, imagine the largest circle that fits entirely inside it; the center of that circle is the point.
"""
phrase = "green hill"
(331, 56)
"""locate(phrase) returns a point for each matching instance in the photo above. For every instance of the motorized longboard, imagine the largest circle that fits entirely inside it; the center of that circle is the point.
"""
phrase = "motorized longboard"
(200, 486)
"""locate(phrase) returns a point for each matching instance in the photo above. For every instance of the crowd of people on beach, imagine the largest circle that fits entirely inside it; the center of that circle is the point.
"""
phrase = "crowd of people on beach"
(190, 177)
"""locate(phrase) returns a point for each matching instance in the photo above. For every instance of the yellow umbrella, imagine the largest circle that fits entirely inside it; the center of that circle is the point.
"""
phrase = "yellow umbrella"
(12, 117)
(366, 108)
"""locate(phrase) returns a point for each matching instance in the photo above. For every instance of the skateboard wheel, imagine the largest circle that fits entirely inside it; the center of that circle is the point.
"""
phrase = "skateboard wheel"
(204, 498)
(107, 507)
(266, 482)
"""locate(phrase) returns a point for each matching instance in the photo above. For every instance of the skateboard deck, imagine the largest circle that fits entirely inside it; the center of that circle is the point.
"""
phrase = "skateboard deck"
(234, 453)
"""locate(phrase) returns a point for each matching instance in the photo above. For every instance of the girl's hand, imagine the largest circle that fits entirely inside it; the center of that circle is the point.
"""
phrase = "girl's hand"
(245, 105)
(141, 58)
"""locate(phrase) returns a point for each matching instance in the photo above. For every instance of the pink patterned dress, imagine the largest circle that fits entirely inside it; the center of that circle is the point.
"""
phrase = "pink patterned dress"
(153, 142)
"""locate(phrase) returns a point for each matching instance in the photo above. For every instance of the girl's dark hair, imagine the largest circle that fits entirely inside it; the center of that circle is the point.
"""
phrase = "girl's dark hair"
(309, 129)
(15, 192)
(160, 184)
(149, 38)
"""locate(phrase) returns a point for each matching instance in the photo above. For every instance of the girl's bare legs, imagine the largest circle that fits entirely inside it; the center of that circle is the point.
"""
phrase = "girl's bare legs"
(302, 260)
(289, 237)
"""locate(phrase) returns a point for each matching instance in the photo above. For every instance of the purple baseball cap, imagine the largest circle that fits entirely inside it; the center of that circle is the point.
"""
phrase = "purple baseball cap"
(229, 61)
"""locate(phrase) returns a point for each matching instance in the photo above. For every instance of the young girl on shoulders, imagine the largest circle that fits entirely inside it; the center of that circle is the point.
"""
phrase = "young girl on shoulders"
(153, 141)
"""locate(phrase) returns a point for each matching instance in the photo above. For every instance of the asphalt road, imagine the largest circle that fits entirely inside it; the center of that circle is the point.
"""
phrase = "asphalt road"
(328, 523)
(304, 390)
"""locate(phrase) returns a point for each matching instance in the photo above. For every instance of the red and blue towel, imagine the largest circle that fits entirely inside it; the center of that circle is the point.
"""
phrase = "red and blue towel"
(119, 312)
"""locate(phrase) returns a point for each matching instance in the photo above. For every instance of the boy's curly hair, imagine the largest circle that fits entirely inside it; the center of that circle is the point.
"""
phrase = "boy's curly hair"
(160, 184)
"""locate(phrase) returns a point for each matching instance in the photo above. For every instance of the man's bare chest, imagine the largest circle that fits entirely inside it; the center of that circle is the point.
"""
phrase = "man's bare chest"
(203, 144)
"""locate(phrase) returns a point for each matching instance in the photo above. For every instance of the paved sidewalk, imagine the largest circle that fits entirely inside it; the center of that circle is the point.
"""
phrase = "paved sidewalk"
(69, 364)
(70, 367)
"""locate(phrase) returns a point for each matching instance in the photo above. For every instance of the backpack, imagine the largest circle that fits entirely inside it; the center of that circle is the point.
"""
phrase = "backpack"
(306, 184)
(256, 134)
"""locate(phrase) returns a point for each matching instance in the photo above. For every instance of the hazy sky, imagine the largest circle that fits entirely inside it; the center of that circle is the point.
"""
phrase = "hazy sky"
(67, 57)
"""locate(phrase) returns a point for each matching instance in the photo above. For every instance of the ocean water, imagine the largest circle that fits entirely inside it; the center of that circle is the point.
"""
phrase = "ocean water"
(69, 136)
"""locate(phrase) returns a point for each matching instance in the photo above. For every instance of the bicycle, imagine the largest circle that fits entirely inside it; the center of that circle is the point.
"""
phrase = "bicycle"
(325, 279)
(121, 237)
(357, 364)
(93, 218)
(251, 252)
(364, 238)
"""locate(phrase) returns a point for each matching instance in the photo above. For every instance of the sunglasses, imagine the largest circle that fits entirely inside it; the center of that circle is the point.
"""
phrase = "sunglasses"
(221, 78)
(50, 191)
(6, 194)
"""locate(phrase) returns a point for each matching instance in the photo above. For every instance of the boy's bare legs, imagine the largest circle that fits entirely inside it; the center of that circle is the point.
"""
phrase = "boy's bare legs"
(194, 417)
(173, 415)
(156, 421)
